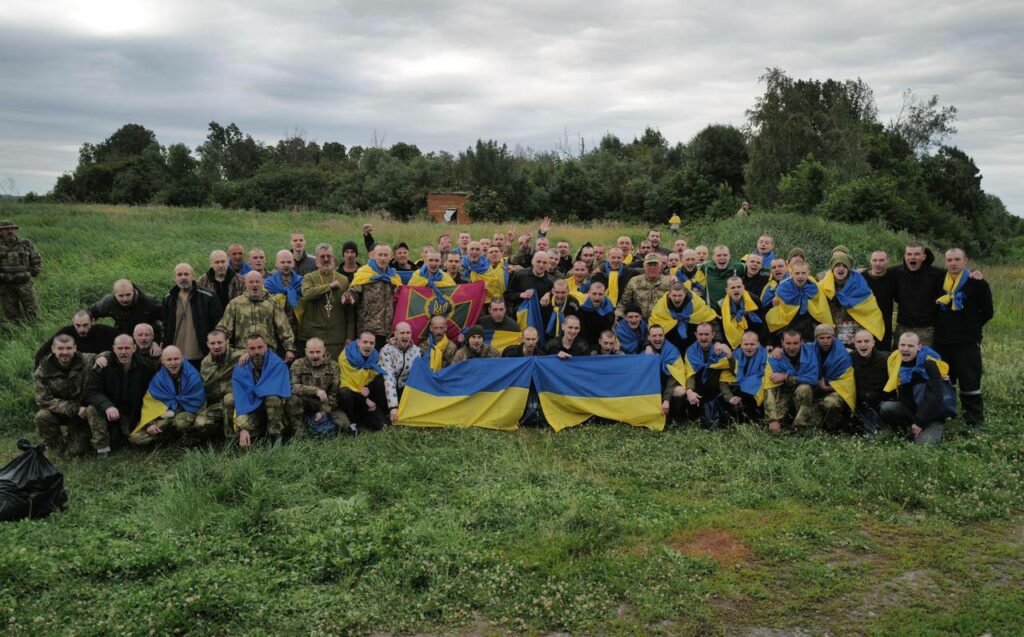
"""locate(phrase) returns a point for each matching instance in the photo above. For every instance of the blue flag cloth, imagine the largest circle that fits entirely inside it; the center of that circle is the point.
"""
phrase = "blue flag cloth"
(791, 294)
(604, 309)
(698, 363)
(190, 398)
(274, 381)
(631, 342)
(750, 370)
(908, 372)
(355, 358)
(482, 265)
(806, 373)
(274, 285)
(242, 271)
(528, 314)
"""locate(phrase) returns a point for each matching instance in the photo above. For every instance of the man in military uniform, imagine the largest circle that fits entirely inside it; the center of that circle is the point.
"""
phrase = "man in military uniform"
(19, 264)
(436, 331)
(181, 419)
(256, 313)
(315, 381)
(376, 299)
(216, 370)
(645, 290)
(59, 387)
(266, 416)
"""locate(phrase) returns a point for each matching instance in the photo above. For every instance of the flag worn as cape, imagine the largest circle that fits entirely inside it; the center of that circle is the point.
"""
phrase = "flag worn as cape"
(423, 277)
(672, 363)
(953, 299)
(900, 375)
(749, 373)
(290, 296)
(697, 364)
(606, 307)
(358, 371)
(858, 299)
(162, 395)
(612, 290)
(631, 342)
(495, 280)
(697, 283)
(837, 371)
(481, 267)
(626, 389)
(737, 317)
(460, 304)
(274, 381)
(806, 373)
(372, 272)
(695, 312)
(795, 301)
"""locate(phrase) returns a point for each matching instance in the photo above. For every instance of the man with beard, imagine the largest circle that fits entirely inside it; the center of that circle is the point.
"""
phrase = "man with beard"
(59, 383)
(315, 380)
(791, 381)
(177, 388)
(436, 348)
(654, 236)
(145, 343)
(115, 394)
(90, 337)
(322, 292)
(453, 267)
(128, 306)
(474, 347)
(528, 345)
(190, 312)
(304, 263)
(222, 280)
(607, 345)
(216, 370)
(256, 313)
(260, 386)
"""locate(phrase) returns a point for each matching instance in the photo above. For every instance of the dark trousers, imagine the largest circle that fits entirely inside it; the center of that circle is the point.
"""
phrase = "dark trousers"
(354, 405)
(898, 417)
(745, 412)
(965, 370)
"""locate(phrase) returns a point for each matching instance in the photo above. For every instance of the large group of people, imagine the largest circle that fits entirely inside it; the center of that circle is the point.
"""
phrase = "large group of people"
(304, 344)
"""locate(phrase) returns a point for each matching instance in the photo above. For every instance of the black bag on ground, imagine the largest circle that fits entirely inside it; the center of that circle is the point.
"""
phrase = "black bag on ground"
(30, 487)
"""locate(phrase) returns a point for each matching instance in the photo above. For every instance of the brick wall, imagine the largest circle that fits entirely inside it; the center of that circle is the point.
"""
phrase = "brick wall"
(438, 202)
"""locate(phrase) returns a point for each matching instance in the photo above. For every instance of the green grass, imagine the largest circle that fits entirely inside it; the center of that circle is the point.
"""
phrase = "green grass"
(594, 530)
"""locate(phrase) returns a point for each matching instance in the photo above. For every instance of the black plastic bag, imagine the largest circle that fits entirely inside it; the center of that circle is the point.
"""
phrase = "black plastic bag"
(30, 487)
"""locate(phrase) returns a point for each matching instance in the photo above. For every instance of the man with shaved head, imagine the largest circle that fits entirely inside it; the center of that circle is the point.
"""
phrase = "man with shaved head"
(178, 386)
(115, 394)
(59, 383)
(190, 312)
(285, 287)
(236, 260)
(256, 313)
(128, 305)
(313, 404)
(524, 284)
(258, 261)
(222, 280)
(90, 337)
(398, 356)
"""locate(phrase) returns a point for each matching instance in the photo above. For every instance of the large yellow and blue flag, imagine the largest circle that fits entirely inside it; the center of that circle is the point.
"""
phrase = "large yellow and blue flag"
(900, 375)
(695, 312)
(502, 339)
(162, 395)
(749, 372)
(495, 280)
(622, 388)
(797, 300)
(275, 380)
(489, 393)
(358, 371)
(672, 363)
(528, 314)
(858, 300)
(737, 317)
(837, 370)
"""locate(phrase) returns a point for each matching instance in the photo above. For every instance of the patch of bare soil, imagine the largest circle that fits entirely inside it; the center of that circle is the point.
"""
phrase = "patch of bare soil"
(717, 544)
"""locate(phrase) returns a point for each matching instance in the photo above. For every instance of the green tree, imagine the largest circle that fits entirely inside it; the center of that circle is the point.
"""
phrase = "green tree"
(718, 153)
(802, 189)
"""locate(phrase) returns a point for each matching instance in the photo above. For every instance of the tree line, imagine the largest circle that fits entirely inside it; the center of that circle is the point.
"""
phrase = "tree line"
(808, 146)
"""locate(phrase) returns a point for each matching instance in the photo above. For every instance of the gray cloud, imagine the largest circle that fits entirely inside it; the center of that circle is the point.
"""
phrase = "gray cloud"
(442, 73)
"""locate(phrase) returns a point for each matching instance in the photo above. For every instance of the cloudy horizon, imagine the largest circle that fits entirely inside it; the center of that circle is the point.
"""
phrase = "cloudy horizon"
(440, 74)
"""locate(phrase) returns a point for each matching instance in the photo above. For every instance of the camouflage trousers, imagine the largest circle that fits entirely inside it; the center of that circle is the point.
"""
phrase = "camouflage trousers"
(51, 426)
(18, 301)
(216, 416)
(828, 410)
(176, 425)
(299, 406)
(269, 420)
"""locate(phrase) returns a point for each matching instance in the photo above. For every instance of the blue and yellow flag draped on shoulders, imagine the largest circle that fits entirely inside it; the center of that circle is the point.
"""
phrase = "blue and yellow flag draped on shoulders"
(953, 287)
(837, 371)
(672, 363)
(275, 380)
(900, 375)
(696, 364)
(358, 371)
(857, 299)
(622, 388)
(806, 371)
(489, 393)
(695, 312)
(372, 272)
(795, 300)
(749, 373)
(163, 396)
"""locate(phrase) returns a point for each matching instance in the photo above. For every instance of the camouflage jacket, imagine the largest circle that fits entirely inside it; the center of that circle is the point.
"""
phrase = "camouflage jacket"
(265, 316)
(376, 308)
(307, 379)
(62, 389)
(446, 356)
(216, 375)
(19, 261)
(465, 354)
(644, 293)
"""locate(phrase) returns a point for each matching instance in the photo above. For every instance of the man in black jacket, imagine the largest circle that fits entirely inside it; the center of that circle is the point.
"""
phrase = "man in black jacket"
(114, 392)
(921, 411)
(90, 337)
(964, 308)
(190, 312)
(529, 281)
(128, 305)
(870, 373)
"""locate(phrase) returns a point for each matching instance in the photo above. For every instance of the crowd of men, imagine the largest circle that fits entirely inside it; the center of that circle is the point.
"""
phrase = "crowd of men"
(306, 344)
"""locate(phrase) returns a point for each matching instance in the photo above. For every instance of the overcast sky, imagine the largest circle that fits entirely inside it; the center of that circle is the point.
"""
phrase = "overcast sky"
(441, 74)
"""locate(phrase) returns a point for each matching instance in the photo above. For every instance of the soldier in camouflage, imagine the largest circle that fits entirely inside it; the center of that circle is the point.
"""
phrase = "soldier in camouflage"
(216, 371)
(59, 387)
(375, 300)
(315, 381)
(645, 290)
(19, 264)
(255, 312)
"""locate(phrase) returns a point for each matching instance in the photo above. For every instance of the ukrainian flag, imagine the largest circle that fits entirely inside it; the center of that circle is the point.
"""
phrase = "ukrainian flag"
(856, 297)
(371, 272)
(672, 363)
(423, 277)
(529, 315)
(358, 371)
(162, 395)
(495, 280)
(794, 301)
(489, 393)
(696, 365)
(286, 297)
(749, 374)
(837, 371)
(806, 373)
(953, 299)
(612, 289)
(695, 312)
(500, 339)
(624, 390)
(698, 283)
(736, 319)
(900, 375)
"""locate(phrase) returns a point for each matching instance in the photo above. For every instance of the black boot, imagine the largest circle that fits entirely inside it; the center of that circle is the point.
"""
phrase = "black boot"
(974, 409)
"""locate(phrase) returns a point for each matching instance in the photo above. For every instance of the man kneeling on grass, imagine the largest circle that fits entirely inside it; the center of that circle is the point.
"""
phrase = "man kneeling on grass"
(260, 387)
(174, 398)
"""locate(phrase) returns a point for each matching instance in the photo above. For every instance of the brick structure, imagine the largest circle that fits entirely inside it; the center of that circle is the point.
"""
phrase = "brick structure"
(440, 203)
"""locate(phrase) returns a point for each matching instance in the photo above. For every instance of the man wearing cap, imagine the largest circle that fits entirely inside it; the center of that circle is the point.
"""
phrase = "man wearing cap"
(19, 264)
(645, 290)
(474, 347)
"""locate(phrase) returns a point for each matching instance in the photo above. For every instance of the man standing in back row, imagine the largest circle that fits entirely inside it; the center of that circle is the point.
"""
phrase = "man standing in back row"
(19, 264)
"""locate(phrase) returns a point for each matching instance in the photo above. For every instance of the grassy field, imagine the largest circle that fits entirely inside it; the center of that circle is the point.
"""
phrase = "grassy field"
(595, 530)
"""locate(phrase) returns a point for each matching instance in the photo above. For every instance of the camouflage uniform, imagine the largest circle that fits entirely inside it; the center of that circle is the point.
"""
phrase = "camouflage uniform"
(220, 402)
(245, 315)
(19, 264)
(306, 380)
(644, 293)
(376, 306)
(179, 421)
(60, 394)
(465, 354)
(270, 418)
(790, 396)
